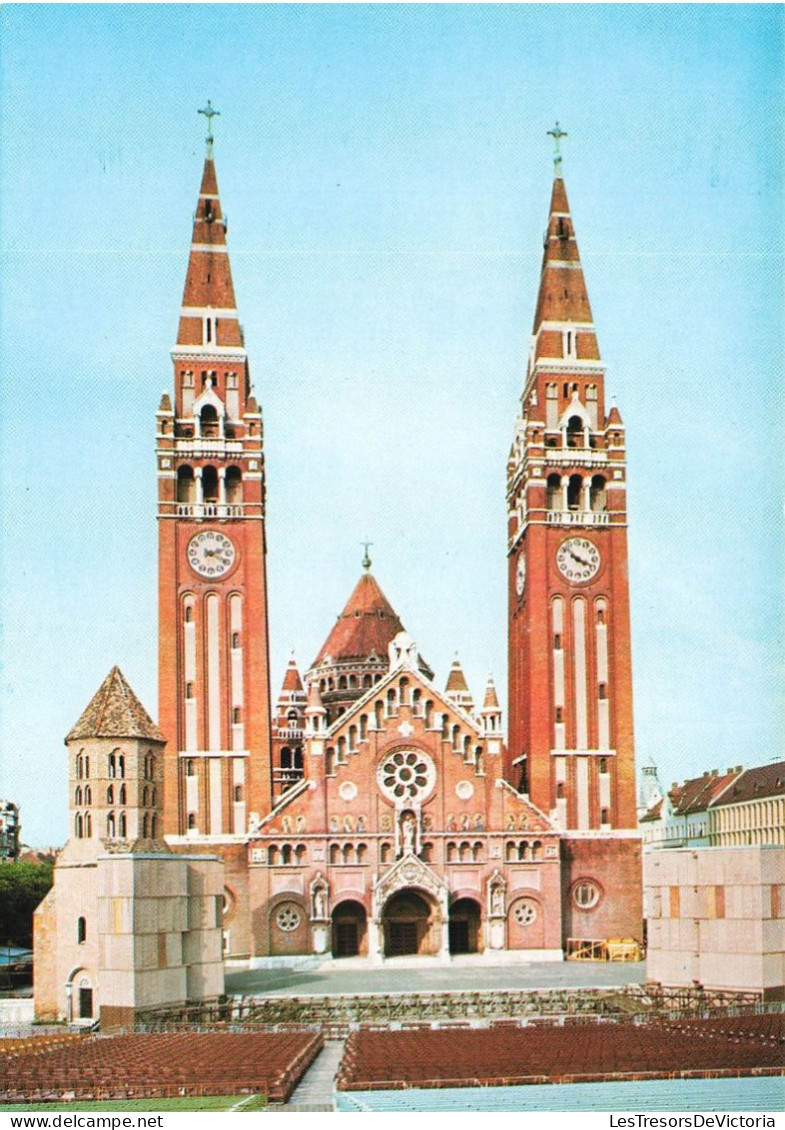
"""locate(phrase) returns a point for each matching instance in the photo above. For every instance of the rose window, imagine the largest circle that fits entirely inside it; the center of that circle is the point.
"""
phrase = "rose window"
(525, 912)
(406, 775)
(288, 918)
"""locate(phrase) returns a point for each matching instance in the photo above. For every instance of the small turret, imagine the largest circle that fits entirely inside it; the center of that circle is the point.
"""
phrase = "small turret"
(457, 688)
(491, 711)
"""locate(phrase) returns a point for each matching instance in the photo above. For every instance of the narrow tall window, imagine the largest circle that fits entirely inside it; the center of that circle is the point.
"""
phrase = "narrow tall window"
(81, 930)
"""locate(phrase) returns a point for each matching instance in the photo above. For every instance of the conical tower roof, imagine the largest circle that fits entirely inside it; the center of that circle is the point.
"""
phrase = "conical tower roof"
(491, 701)
(209, 290)
(563, 298)
(366, 626)
(114, 711)
(292, 683)
(456, 680)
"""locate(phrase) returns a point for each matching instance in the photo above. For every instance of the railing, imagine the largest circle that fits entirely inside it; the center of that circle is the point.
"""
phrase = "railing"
(578, 518)
(209, 510)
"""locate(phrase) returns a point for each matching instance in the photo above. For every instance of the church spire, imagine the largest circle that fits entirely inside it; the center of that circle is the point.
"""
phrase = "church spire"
(209, 325)
(563, 326)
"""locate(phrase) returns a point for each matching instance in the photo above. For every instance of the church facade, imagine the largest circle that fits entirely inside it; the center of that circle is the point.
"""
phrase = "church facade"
(372, 811)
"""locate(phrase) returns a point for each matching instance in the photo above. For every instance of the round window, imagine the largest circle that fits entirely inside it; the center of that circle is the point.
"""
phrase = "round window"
(406, 775)
(525, 912)
(288, 918)
(586, 894)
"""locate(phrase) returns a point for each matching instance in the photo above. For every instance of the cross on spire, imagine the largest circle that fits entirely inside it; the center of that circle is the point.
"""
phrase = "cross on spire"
(557, 133)
(209, 113)
(366, 558)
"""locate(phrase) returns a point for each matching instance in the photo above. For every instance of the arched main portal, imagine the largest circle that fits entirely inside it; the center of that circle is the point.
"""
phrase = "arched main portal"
(412, 925)
(465, 926)
(350, 929)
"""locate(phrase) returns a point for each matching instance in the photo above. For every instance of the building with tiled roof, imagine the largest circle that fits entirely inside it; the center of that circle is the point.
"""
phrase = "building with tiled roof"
(681, 817)
(114, 711)
(751, 810)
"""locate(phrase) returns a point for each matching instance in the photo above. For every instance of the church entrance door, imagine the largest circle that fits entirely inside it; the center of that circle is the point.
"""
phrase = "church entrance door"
(349, 929)
(464, 926)
(410, 926)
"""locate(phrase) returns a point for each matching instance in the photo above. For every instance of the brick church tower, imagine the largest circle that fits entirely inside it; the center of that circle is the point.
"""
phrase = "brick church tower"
(570, 743)
(214, 697)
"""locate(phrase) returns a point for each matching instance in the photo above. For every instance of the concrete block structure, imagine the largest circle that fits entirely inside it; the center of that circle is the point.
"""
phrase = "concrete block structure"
(127, 925)
(716, 918)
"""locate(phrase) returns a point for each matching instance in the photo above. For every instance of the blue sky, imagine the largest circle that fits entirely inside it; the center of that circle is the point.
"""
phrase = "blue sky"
(386, 174)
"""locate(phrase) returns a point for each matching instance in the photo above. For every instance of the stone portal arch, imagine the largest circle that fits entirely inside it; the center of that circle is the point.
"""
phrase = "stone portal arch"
(412, 923)
(464, 926)
(350, 929)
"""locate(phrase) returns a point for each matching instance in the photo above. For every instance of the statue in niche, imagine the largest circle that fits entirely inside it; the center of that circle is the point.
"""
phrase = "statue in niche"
(286, 824)
(479, 824)
(300, 824)
(334, 826)
(361, 823)
(497, 900)
(348, 823)
(408, 829)
(319, 903)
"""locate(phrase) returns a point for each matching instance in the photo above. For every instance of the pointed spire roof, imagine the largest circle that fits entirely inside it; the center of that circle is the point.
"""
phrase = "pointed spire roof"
(562, 296)
(292, 683)
(208, 284)
(491, 701)
(366, 626)
(457, 688)
(114, 711)
(456, 680)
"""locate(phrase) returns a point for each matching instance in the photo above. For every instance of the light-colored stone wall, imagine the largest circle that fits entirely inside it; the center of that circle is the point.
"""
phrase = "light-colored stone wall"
(716, 916)
(153, 934)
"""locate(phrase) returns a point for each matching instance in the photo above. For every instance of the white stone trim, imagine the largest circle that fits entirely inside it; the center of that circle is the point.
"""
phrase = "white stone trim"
(583, 753)
(221, 248)
(208, 311)
(200, 352)
(196, 753)
(551, 325)
(562, 264)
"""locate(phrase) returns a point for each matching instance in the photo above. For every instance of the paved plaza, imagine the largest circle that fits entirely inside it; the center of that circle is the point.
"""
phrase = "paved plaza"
(351, 976)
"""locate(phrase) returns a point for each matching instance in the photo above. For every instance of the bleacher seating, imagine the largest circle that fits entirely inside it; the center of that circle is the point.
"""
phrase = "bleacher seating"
(150, 1065)
(502, 1055)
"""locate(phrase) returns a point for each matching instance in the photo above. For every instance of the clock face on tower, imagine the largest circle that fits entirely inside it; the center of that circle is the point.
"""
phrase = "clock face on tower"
(578, 559)
(520, 574)
(211, 553)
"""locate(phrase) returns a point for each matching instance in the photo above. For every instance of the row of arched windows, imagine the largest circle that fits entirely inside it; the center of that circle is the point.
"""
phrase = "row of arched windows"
(387, 852)
(210, 478)
(522, 850)
(348, 853)
(465, 852)
(576, 497)
(285, 854)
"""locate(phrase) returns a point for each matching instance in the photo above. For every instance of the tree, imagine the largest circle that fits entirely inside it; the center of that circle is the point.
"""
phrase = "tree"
(22, 886)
